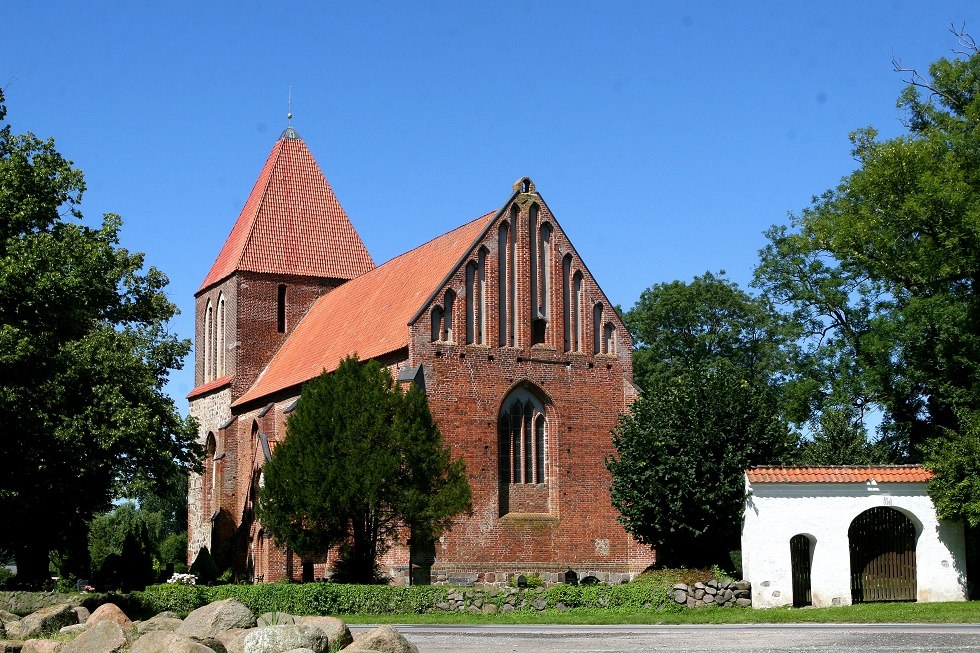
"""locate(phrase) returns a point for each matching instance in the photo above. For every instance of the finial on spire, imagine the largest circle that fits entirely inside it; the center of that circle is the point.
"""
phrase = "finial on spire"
(289, 132)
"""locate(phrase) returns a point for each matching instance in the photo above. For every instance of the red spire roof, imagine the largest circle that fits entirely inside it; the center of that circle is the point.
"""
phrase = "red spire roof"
(367, 316)
(840, 474)
(292, 223)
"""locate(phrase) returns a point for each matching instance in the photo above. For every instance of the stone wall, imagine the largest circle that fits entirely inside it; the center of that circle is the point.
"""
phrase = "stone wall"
(714, 592)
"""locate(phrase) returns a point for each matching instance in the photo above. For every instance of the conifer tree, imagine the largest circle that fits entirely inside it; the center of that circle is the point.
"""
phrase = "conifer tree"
(361, 460)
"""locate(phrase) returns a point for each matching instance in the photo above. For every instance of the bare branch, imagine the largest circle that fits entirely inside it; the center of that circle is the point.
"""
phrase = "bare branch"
(916, 79)
(966, 41)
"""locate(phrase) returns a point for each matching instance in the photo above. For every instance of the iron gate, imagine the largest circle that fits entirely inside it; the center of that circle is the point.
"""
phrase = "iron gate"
(882, 543)
(799, 553)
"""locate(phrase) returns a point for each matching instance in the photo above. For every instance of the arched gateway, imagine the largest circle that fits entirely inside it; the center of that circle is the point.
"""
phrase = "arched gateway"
(882, 546)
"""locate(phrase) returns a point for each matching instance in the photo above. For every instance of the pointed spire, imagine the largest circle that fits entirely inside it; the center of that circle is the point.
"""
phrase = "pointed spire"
(292, 223)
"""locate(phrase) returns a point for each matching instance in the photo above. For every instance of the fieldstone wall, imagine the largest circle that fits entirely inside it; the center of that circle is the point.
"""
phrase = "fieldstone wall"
(714, 592)
(23, 603)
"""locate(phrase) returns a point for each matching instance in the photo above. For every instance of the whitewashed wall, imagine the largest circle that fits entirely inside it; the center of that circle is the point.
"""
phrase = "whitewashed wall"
(775, 512)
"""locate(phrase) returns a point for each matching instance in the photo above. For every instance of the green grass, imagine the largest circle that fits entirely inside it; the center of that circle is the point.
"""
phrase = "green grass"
(958, 612)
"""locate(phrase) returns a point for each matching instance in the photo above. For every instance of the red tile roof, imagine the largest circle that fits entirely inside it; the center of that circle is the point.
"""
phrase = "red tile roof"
(368, 315)
(840, 474)
(209, 386)
(292, 223)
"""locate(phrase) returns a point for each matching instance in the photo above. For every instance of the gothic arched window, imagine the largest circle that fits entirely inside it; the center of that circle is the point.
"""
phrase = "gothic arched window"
(522, 449)
(523, 438)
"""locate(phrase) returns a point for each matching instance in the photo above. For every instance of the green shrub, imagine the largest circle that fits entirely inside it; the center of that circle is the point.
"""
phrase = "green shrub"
(178, 598)
(651, 591)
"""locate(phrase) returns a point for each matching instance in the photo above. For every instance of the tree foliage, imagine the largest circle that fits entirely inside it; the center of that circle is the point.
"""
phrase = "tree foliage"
(710, 360)
(361, 459)
(84, 354)
(884, 271)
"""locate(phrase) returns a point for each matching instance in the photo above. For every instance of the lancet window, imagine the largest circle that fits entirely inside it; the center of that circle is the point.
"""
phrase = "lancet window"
(522, 437)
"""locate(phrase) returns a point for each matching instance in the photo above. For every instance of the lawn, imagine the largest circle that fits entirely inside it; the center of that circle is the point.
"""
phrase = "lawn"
(954, 612)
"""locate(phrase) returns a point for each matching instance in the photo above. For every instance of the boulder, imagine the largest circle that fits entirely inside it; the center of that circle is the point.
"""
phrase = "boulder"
(337, 631)
(45, 620)
(73, 629)
(102, 637)
(232, 641)
(41, 646)
(209, 620)
(383, 639)
(83, 613)
(108, 612)
(158, 623)
(275, 639)
(6, 617)
(9, 646)
(161, 641)
(300, 650)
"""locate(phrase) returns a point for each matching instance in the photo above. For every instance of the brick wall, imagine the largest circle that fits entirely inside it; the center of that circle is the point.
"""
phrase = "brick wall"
(565, 522)
(584, 392)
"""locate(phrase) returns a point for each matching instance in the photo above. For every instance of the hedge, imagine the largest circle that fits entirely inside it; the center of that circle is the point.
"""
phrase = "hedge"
(339, 599)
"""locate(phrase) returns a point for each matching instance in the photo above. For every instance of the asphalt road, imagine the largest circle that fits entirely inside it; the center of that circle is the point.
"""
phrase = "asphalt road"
(763, 638)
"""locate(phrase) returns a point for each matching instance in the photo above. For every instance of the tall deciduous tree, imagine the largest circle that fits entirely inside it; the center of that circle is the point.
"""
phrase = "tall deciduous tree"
(885, 269)
(709, 359)
(361, 460)
(84, 355)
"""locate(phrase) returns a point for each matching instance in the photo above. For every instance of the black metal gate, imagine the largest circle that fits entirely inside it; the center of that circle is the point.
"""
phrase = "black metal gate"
(799, 553)
(882, 542)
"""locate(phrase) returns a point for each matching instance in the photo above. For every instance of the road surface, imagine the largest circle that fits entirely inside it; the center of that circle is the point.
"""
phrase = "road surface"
(756, 638)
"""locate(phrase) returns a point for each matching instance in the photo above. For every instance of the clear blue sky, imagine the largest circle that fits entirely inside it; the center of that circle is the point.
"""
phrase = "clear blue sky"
(666, 137)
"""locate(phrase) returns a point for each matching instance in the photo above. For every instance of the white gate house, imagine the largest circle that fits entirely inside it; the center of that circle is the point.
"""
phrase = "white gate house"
(840, 535)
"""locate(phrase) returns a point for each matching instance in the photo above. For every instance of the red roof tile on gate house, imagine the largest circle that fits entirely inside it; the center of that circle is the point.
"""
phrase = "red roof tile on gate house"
(292, 223)
(839, 474)
(368, 315)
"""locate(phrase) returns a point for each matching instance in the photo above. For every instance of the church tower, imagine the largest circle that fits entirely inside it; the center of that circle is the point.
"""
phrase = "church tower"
(292, 243)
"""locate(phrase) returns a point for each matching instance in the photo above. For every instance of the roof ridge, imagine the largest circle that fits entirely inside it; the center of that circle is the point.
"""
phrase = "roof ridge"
(892, 466)
(430, 241)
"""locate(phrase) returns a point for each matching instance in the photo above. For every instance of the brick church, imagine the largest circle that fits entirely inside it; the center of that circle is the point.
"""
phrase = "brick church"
(525, 364)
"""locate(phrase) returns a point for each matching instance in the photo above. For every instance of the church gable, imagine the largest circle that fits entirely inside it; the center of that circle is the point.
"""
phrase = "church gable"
(523, 285)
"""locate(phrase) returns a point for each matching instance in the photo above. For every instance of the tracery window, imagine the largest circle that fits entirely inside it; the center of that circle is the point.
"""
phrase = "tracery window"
(522, 437)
